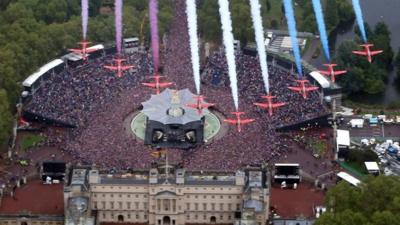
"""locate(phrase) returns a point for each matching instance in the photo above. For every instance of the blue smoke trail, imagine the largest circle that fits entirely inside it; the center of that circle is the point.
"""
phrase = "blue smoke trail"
(360, 20)
(293, 34)
(321, 27)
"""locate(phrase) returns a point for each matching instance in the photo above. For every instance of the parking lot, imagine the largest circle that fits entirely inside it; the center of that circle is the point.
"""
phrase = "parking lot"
(385, 134)
(381, 130)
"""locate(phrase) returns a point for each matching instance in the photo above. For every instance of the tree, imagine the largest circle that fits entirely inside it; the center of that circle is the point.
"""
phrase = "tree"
(331, 14)
(345, 11)
(268, 4)
(274, 24)
(362, 77)
(309, 24)
(209, 24)
(381, 38)
(5, 117)
(241, 21)
(374, 202)
(397, 60)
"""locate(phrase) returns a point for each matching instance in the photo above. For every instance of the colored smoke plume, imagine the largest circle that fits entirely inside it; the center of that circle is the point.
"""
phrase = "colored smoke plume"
(289, 13)
(229, 48)
(259, 35)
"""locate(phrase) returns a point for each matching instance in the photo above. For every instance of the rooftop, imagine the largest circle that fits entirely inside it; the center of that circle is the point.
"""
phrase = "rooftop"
(171, 107)
(27, 196)
(290, 203)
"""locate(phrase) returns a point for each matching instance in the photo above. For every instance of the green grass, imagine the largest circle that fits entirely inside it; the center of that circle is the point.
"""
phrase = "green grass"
(355, 169)
(275, 13)
(318, 147)
(30, 141)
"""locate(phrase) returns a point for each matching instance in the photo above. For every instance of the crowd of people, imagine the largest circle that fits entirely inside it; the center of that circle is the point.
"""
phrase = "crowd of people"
(98, 103)
(72, 96)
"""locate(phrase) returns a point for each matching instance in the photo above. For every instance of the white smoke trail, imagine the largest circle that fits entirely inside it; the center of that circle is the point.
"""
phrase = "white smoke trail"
(259, 35)
(85, 17)
(194, 42)
(229, 48)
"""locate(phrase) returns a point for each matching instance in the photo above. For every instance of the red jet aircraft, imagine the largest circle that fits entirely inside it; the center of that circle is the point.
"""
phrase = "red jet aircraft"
(119, 67)
(331, 72)
(156, 84)
(83, 51)
(200, 105)
(303, 88)
(269, 104)
(367, 52)
(239, 121)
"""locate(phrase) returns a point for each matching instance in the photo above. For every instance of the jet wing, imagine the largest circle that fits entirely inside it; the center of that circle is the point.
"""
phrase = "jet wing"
(111, 67)
(74, 50)
(153, 85)
(262, 105)
(339, 72)
(165, 84)
(311, 88)
(295, 89)
(126, 67)
(324, 72)
(231, 121)
(207, 105)
(376, 52)
(360, 53)
(244, 121)
(194, 106)
(88, 50)
(275, 105)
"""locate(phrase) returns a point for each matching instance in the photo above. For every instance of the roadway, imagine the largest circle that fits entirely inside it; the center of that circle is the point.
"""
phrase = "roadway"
(377, 131)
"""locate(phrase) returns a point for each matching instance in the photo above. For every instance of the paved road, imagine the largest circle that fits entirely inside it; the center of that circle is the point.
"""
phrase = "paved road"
(311, 50)
(381, 130)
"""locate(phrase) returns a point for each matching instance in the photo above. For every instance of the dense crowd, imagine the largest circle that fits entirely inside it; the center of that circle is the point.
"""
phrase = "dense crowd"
(99, 104)
(76, 93)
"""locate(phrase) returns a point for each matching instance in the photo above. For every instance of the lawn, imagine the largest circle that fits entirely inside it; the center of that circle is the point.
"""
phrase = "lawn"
(355, 169)
(276, 14)
(30, 141)
(318, 147)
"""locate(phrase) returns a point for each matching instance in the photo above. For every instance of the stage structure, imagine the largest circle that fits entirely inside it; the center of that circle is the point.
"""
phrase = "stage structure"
(170, 123)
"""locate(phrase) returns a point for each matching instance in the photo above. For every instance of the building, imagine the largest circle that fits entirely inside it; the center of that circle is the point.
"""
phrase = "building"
(171, 122)
(167, 195)
(33, 203)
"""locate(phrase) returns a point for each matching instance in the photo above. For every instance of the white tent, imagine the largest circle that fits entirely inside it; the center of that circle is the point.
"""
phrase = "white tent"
(322, 80)
(347, 177)
(28, 82)
(372, 167)
(359, 123)
(343, 137)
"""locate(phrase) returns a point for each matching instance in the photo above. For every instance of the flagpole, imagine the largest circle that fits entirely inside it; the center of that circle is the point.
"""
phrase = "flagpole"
(166, 167)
